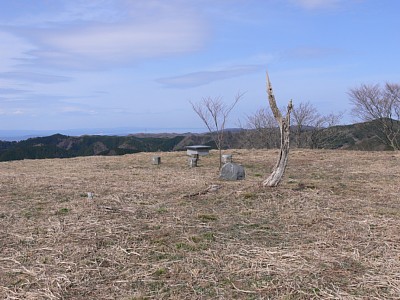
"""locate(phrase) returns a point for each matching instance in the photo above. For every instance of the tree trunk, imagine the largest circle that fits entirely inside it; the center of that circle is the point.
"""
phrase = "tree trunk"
(284, 126)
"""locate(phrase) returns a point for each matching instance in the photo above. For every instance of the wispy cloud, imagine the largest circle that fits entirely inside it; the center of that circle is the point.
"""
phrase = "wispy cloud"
(13, 49)
(77, 110)
(205, 77)
(46, 105)
(100, 34)
(115, 44)
(45, 14)
(12, 112)
(33, 77)
(11, 91)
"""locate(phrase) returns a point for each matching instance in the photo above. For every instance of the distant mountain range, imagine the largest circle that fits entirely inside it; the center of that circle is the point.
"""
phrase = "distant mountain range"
(361, 136)
(19, 135)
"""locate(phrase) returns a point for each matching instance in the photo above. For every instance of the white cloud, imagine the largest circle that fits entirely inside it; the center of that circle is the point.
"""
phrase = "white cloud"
(116, 43)
(17, 112)
(12, 112)
(98, 34)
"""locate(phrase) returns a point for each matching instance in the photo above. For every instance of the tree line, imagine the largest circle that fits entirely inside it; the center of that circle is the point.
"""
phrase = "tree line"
(370, 102)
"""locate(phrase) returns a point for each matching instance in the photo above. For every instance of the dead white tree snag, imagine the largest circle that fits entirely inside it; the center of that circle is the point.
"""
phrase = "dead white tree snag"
(284, 126)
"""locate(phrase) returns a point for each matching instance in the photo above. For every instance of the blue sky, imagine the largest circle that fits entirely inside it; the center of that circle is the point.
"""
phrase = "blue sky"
(137, 63)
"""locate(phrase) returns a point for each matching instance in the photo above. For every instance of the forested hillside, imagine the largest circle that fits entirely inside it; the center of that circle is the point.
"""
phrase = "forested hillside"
(360, 136)
(61, 146)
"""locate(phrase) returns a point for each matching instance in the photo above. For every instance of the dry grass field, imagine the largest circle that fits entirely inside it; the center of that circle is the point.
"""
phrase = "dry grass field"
(330, 231)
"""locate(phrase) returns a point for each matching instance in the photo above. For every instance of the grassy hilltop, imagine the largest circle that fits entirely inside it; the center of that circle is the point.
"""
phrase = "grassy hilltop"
(330, 231)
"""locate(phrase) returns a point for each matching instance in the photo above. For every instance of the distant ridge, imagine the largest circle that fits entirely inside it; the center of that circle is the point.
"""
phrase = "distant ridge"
(360, 136)
(20, 135)
(62, 146)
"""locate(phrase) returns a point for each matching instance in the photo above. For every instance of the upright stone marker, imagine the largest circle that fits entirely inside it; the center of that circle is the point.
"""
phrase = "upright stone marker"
(156, 160)
(193, 162)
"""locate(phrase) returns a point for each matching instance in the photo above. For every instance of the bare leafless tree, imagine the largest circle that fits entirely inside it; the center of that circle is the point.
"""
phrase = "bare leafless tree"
(261, 130)
(381, 105)
(284, 126)
(214, 114)
(317, 138)
(305, 117)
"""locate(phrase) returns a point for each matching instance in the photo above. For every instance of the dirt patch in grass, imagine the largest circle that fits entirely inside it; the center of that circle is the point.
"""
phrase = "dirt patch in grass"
(330, 231)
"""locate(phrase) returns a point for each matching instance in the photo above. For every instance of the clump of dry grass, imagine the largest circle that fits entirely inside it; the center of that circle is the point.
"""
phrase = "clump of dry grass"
(330, 231)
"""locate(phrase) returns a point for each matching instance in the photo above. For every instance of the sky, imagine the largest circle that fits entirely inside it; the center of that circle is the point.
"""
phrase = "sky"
(73, 64)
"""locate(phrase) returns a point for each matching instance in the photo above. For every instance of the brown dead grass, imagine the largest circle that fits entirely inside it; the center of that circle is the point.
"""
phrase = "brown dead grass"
(330, 231)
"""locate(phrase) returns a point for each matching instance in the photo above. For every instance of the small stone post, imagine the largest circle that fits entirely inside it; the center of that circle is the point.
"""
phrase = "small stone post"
(193, 162)
(156, 160)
